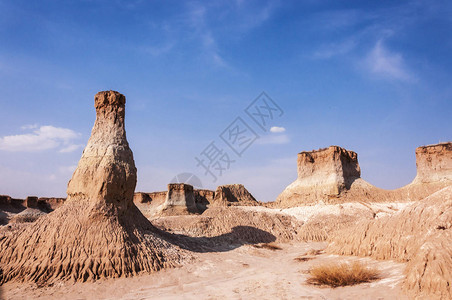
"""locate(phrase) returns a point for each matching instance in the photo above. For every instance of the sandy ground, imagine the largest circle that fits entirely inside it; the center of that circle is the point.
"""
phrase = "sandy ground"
(242, 273)
(304, 213)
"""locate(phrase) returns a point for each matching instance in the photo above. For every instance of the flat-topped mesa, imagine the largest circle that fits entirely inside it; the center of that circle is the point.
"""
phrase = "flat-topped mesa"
(180, 199)
(434, 163)
(106, 172)
(326, 176)
(331, 169)
(332, 175)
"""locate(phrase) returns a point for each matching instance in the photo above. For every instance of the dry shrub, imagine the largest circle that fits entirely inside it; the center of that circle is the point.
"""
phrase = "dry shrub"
(269, 246)
(310, 254)
(303, 258)
(342, 274)
(314, 252)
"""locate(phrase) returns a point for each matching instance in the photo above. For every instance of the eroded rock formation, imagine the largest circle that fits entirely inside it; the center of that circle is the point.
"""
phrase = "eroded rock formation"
(434, 163)
(26, 210)
(203, 198)
(180, 199)
(233, 195)
(420, 234)
(98, 232)
(332, 175)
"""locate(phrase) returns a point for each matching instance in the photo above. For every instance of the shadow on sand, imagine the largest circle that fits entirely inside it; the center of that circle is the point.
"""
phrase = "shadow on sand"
(239, 236)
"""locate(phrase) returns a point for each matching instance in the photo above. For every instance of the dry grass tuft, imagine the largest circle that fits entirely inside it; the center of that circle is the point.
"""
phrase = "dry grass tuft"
(269, 246)
(342, 274)
(310, 254)
(303, 258)
(314, 252)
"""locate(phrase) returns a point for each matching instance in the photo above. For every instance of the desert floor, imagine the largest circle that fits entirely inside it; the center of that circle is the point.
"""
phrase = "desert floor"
(245, 272)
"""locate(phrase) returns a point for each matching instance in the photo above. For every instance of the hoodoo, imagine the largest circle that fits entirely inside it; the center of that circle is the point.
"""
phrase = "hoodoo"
(98, 232)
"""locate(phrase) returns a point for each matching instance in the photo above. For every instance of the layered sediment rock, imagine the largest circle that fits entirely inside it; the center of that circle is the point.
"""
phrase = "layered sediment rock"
(332, 175)
(31, 202)
(50, 204)
(434, 163)
(233, 195)
(420, 234)
(203, 198)
(434, 172)
(26, 210)
(180, 199)
(323, 176)
(98, 232)
(152, 204)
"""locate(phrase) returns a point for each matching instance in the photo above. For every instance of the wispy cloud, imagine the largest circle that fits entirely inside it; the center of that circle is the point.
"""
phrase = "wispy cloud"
(196, 19)
(335, 49)
(157, 50)
(29, 126)
(70, 148)
(382, 62)
(42, 138)
(253, 15)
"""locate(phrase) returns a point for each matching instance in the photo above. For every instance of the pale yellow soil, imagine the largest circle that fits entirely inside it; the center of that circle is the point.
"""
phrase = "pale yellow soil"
(241, 273)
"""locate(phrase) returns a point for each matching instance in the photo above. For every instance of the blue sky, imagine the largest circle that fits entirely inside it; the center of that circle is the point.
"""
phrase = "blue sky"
(371, 76)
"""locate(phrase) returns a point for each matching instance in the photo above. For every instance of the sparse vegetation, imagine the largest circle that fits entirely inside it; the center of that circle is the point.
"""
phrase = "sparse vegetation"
(342, 274)
(269, 246)
(310, 254)
(314, 252)
(303, 258)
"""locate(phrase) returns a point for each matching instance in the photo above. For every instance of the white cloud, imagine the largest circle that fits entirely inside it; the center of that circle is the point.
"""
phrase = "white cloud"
(67, 169)
(273, 139)
(70, 148)
(276, 129)
(382, 62)
(42, 138)
(29, 126)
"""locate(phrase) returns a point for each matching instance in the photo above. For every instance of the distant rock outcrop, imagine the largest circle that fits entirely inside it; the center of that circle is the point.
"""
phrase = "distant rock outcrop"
(98, 232)
(180, 199)
(203, 198)
(332, 175)
(323, 176)
(50, 204)
(233, 195)
(434, 163)
(26, 210)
